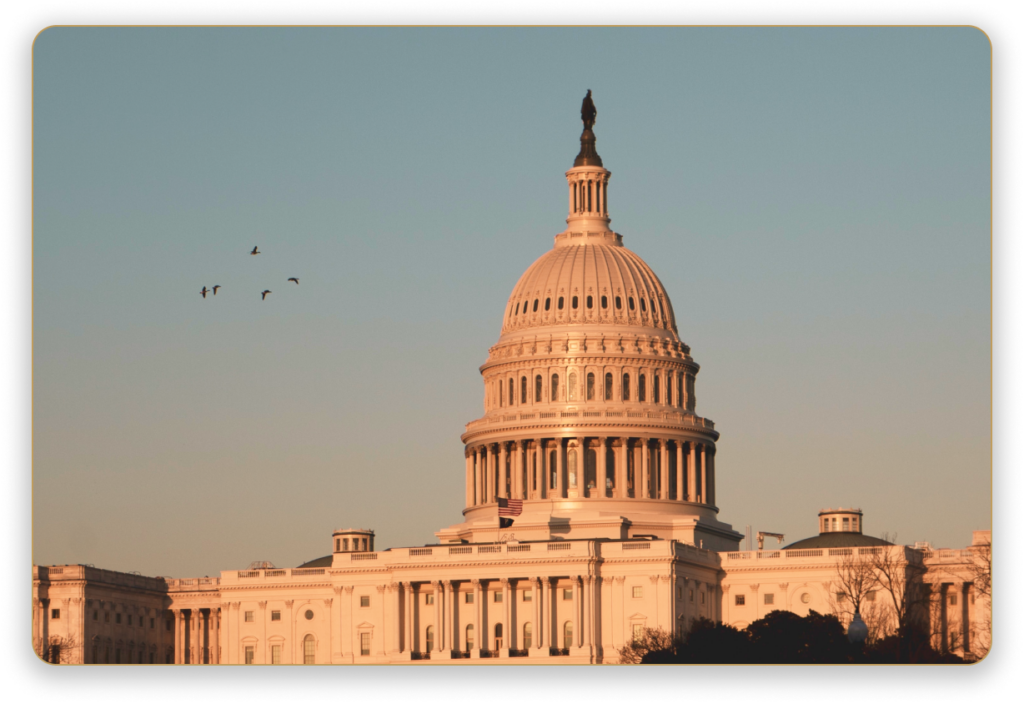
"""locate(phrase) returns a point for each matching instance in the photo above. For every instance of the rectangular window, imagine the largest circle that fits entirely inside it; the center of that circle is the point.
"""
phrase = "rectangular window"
(638, 592)
(952, 600)
(638, 631)
(846, 524)
(870, 596)
(275, 655)
(741, 600)
(567, 594)
(840, 597)
(152, 623)
(55, 614)
(528, 595)
(129, 619)
(691, 596)
(250, 654)
(364, 643)
(95, 615)
(498, 596)
(364, 601)
(702, 597)
(117, 618)
(429, 598)
(249, 617)
(769, 599)
(469, 597)
(275, 615)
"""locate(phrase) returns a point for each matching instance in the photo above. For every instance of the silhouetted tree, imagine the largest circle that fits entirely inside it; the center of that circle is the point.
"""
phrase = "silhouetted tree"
(783, 637)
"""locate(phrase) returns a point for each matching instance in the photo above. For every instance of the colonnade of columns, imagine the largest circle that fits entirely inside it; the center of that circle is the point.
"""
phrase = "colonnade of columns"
(490, 628)
(591, 467)
(589, 194)
(197, 636)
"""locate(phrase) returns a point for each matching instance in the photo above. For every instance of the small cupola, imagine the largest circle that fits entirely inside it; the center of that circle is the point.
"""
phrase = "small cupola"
(353, 540)
(840, 520)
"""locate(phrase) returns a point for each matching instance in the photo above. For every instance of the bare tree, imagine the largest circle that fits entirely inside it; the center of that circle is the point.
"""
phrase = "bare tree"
(853, 589)
(899, 572)
(649, 640)
(63, 650)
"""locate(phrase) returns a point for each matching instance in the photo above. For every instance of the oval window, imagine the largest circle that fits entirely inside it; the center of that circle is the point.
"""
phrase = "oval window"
(631, 305)
(547, 304)
(805, 598)
(535, 302)
(604, 301)
(561, 303)
(618, 303)
(643, 305)
(309, 615)
(575, 302)
(517, 309)
(590, 301)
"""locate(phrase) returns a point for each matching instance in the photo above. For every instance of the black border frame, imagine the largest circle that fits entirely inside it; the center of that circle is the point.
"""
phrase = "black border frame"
(31, 675)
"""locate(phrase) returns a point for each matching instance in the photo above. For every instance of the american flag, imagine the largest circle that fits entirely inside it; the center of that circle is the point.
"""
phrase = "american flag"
(510, 507)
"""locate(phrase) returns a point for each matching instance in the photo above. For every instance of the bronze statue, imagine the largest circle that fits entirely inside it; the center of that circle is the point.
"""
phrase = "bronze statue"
(588, 112)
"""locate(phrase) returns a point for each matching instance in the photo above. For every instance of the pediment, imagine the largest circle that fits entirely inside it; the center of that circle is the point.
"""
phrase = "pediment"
(638, 617)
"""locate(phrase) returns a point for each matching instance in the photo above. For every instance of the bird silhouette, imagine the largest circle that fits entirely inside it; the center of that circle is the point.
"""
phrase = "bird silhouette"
(215, 289)
(204, 292)
(265, 295)
(294, 279)
(256, 250)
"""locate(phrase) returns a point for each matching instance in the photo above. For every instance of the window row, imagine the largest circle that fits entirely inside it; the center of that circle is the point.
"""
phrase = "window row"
(524, 307)
(138, 622)
(673, 383)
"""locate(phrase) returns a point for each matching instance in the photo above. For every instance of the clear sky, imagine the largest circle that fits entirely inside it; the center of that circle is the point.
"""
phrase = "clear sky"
(815, 201)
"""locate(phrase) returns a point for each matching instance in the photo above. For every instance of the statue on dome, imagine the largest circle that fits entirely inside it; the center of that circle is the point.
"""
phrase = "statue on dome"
(588, 112)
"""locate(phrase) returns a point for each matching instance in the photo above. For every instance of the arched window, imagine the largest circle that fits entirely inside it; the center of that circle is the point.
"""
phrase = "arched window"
(537, 388)
(625, 387)
(469, 637)
(590, 386)
(643, 305)
(572, 469)
(654, 306)
(308, 650)
(572, 386)
(511, 392)
(618, 303)
(641, 389)
(554, 387)
(547, 304)
(608, 386)
(553, 468)
(522, 390)
(535, 302)
(517, 310)
(679, 389)
(590, 301)
(567, 635)
(499, 638)
(657, 389)
(430, 639)
(604, 301)
(527, 636)
(632, 306)
(561, 302)
(575, 302)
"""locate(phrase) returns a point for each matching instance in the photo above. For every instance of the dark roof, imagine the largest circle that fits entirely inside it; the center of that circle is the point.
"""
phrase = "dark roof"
(324, 561)
(837, 540)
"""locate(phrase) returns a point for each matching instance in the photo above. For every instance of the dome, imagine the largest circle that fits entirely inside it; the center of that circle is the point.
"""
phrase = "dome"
(837, 540)
(599, 283)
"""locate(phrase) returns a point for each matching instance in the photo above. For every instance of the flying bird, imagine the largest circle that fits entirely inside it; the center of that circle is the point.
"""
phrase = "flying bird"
(204, 291)
(294, 279)
(256, 250)
(215, 289)
(265, 295)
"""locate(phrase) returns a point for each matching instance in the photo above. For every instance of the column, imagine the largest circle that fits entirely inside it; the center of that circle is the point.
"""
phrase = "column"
(703, 474)
(477, 486)
(478, 634)
(577, 612)
(711, 476)
(502, 469)
(537, 630)
(506, 625)
(691, 473)
(407, 589)
(680, 474)
(450, 604)
(588, 612)
(645, 469)
(618, 621)
(437, 617)
(620, 446)
(179, 637)
(288, 654)
(601, 472)
(663, 470)
(214, 622)
(538, 459)
(560, 473)
(380, 641)
(469, 478)
(351, 621)
(339, 651)
(548, 631)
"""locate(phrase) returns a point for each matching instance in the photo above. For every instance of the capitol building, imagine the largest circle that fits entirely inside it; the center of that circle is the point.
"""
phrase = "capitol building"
(592, 444)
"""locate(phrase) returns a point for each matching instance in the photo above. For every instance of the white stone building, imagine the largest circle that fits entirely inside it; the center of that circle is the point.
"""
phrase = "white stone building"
(590, 420)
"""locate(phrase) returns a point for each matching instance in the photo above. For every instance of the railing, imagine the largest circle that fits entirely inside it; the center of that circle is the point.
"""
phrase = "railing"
(190, 582)
(636, 546)
(839, 552)
(738, 556)
(570, 414)
(210, 580)
(870, 551)
(685, 418)
(559, 546)
(466, 550)
(554, 652)
(804, 553)
(247, 574)
(54, 570)
(592, 414)
(308, 571)
(488, 548)
(517, 548)
(768, 554)
(278, 573)
(356, 556)
(548, 415)
(421, 551)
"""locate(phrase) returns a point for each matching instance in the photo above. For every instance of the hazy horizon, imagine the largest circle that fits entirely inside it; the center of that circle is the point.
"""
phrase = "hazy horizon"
(816, 202)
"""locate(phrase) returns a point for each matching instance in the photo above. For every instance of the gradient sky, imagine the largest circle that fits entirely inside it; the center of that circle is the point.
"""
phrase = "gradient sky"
(816, 202)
